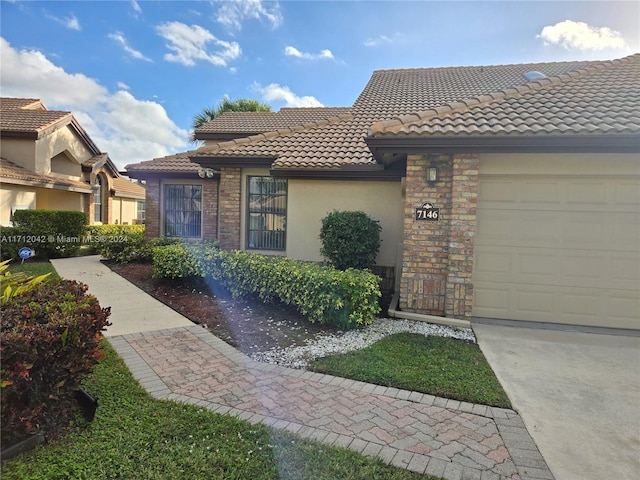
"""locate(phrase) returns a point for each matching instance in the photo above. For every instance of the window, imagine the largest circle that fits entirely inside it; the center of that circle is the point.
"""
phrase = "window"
(97, 200)
(182, 211)
(267, 213)
(140, 211)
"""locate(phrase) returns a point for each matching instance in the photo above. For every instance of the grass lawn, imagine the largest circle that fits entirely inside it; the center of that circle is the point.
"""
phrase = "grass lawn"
(33, 267)
(439, 366)
(137, 437)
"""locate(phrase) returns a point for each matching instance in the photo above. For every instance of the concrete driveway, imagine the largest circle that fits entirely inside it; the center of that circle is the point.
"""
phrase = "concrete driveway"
(577, 393)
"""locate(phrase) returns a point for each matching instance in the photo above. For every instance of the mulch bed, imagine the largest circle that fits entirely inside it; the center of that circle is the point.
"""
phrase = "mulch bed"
(247, 324)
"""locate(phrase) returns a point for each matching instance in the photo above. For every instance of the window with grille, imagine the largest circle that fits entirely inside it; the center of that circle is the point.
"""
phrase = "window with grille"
(140, 211)
(267, 213)
(183, 211)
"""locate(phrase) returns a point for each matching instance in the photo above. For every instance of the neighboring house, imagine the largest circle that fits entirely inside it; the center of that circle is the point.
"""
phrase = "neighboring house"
(48, 161)
(500, 195)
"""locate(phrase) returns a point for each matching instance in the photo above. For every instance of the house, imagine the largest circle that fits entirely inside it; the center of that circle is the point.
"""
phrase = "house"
(48, 161)
(508, 192)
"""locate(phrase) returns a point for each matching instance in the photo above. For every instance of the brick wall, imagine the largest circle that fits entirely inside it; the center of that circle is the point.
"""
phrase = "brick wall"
(438, 256)
(229, 199)
(152, 208)
(210, 210)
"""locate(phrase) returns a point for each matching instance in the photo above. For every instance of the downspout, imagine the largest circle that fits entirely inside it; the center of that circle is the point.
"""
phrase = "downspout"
(451, 322)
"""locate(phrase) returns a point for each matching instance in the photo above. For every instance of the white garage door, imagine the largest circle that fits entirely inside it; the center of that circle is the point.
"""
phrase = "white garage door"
(556, 246)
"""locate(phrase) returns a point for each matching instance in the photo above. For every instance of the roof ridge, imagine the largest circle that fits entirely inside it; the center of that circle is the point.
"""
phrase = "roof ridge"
(498, 95)
(271, 134)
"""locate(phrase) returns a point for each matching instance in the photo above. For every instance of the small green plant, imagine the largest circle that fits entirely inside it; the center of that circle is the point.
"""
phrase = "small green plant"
(350, 239)
(12, 284)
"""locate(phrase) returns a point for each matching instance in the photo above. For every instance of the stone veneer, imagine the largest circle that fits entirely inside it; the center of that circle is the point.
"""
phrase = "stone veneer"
(438, 256)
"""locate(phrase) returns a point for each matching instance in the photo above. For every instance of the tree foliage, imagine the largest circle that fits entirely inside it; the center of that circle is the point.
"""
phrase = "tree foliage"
(226, 105)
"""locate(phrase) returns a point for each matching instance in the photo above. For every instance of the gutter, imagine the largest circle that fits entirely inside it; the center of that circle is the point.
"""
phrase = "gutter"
(451, 322)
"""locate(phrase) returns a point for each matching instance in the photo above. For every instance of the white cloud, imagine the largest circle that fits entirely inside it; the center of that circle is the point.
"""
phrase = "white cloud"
(581, 36)
(294, 52)
(136, 7)
(232, 13)
(122, 41)
(278, 93)
(123, 86)
(71, 22)
(379, 40)
(131, 130)
(189, 44)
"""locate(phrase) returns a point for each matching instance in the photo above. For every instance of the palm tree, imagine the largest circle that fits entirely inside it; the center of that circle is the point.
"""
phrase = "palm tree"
(226, 105)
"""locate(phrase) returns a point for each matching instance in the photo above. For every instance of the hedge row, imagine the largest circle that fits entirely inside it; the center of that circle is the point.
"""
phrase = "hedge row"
(49, 344)
(49, 233)
(343, 298)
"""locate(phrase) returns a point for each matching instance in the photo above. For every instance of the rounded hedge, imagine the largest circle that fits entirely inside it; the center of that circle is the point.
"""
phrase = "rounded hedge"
(350, 239)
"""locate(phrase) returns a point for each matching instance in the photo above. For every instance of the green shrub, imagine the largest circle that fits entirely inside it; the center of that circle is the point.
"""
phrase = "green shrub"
(350, 239)
(323, 294)
(50, 233)
(120, 243)
(12, 284)
(12, 239)
(49, 344)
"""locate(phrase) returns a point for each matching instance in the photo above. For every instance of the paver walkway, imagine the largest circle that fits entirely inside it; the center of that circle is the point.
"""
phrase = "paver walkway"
(422, 433)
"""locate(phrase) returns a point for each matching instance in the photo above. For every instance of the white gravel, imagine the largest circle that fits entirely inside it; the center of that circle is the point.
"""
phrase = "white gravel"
(342, 342)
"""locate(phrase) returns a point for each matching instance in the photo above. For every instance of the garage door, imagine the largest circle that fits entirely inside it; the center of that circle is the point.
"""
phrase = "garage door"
(556, 246)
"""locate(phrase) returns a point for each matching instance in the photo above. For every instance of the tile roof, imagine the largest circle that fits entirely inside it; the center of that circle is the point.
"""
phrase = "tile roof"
(126, 188)
(178, 163)
(260, 122)
(601, 99)
(31, 121)
(12, 173)
(340, 141)
(10, 103)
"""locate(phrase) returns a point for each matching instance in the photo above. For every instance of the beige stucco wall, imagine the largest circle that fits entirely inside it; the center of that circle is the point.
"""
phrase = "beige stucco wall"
(62, 140)
(18, 195)
(20, 152)
(124, 210)
(309, 201)
(49, 199)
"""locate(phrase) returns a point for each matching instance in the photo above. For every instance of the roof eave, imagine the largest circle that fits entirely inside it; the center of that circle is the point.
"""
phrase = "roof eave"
(382, 146)
(224, 136)
(374, 173)
(232, 162)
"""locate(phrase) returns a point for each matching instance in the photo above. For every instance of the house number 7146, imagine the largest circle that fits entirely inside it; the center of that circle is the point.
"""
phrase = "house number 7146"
(428, 212)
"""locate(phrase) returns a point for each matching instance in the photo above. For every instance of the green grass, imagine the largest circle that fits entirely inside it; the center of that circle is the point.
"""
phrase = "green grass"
(33, 267)
(137, 437)
(439, 366)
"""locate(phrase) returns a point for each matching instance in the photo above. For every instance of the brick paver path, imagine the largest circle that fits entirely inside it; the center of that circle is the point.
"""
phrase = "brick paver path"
(422, 433)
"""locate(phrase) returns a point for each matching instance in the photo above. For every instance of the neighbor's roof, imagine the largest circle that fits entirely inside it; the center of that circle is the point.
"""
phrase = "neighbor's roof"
(28, 118)
(12, 173)
(178, 163)
(126, 188)
(601, 99)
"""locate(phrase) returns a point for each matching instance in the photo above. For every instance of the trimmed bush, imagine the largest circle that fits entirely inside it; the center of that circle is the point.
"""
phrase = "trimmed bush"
(50, 343)
(323, 294)
(350, 239)
(12, 239)
(50, 233)
(120, 243)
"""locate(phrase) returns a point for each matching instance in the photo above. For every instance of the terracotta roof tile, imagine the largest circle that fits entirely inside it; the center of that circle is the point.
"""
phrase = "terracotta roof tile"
(260, 122)
(126, 188)
(10, 103)
(601, 99)
(178, 163)
(389, 94)
(12, 173)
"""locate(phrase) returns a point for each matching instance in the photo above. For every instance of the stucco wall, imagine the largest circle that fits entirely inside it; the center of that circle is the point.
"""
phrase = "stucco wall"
(311, 200)
(15, 195)
(123, 210)
(20, 152)
(48, 199)
(60, 141)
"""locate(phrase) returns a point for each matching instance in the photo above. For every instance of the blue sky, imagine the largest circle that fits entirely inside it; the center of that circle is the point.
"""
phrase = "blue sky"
(136, 72)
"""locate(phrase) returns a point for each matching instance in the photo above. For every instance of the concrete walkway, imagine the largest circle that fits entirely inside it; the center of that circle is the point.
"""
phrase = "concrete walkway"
(426, 434)
(578, 394)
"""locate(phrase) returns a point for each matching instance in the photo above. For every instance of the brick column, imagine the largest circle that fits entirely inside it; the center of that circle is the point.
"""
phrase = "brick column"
(152, 208)
(426, 244)
(210, 210)
(229, 198)
(462, 231)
